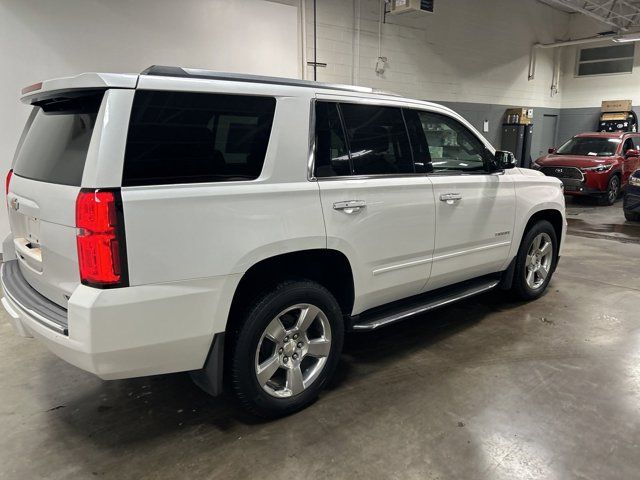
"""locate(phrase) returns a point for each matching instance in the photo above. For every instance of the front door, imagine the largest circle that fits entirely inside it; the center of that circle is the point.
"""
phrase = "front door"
(377, 209)
(475, 209)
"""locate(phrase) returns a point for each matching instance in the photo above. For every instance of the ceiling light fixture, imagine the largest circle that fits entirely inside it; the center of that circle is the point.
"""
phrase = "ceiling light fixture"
(630, 37)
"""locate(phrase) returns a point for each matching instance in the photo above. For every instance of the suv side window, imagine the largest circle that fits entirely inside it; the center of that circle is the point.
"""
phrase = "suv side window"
(452, 146)
(332, 155)
(184, 137)
(378, 140)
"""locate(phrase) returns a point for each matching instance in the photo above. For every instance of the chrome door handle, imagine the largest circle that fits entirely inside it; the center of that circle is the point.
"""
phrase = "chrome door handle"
(450, 198)
(350, 206)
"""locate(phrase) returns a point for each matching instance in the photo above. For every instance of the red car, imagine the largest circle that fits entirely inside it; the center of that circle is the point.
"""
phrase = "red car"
(597, 164)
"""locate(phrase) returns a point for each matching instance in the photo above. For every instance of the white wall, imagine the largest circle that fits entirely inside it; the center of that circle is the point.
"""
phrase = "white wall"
(467, 51)
(580, 92)
(42, 39)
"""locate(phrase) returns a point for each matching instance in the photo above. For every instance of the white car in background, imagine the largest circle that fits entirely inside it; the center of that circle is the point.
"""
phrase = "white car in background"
(236, 226)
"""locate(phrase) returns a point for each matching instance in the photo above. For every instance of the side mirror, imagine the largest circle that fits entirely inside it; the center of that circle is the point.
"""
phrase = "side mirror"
(505, 160)
(632, 153)
(551, 150)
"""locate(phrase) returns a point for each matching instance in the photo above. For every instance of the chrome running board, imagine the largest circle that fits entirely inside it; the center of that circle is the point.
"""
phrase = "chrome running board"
(380, 317)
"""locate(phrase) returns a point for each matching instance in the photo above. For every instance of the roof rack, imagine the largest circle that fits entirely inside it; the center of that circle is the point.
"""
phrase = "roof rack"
(166, 71)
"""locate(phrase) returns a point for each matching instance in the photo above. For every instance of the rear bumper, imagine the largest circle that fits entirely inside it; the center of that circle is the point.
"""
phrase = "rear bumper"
(130, 332)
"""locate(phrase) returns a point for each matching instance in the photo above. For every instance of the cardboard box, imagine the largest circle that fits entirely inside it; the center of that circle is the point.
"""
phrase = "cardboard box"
(520, 116)
(616, 106)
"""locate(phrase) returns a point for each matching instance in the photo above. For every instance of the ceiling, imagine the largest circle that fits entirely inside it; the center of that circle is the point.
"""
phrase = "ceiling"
(622, 15)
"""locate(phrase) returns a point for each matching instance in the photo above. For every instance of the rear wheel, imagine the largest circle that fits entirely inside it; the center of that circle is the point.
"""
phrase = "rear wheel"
(535, 261)
(613, 191)
(286, 348)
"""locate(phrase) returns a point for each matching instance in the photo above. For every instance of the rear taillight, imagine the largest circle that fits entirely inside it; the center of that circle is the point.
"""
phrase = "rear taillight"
(7, 182)
(100, 238)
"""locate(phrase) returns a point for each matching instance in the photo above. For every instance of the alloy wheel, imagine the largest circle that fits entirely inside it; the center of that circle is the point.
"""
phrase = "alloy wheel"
(293, 350)
(614, 188)
(538, 263)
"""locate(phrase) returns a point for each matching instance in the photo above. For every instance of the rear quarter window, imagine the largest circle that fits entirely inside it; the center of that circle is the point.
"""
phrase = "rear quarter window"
(184, 137)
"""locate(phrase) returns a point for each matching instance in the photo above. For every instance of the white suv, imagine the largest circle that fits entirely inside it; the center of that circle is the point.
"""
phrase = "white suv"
(236, 226)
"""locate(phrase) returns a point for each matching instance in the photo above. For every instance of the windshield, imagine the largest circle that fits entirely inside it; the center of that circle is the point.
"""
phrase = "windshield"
(590, 146)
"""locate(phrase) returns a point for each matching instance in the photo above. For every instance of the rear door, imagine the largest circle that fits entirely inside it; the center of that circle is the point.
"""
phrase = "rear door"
(47, 177)
(377, 209)
(475, 209)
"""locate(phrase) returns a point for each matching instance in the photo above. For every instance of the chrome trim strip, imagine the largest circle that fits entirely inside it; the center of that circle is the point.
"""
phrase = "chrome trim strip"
(399, 266)
(471, 250)
(370, 177)
(425, 308)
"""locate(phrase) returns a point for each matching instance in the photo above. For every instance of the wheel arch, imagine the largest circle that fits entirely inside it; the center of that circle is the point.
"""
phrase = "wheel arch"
(556, 219)
(330, 268)
(553, 216)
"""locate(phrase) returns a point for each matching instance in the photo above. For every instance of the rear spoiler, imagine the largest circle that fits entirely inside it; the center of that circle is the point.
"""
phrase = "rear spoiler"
(47, 88)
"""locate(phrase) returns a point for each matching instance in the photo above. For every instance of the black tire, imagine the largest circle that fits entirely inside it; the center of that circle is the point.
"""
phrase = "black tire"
(248, 336)
(613, 191)
(632, 217)
(520, 288)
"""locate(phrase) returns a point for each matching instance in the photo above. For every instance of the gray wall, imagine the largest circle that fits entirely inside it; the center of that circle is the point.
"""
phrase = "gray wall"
(571, 121)
(477, 113)
(577, 120)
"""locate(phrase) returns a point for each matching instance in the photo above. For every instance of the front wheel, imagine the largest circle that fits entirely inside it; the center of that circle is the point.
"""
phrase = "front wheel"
(613, 191)
(535, 261)
(286, 348)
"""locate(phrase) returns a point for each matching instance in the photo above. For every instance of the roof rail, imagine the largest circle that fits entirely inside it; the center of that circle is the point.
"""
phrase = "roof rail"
(166, 71)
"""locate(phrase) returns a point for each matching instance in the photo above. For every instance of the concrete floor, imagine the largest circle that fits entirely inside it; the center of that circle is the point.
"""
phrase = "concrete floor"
(486, 389)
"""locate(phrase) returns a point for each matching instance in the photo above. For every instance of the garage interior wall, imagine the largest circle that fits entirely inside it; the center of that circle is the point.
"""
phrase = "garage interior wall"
(47, 39)
(471, 56)
(582, 96)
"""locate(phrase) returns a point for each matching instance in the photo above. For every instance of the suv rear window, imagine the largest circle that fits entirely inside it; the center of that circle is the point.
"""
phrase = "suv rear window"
(55, 146)
(184, 137)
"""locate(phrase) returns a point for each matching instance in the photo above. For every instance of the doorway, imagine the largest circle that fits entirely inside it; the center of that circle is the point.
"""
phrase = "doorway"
(549, 133)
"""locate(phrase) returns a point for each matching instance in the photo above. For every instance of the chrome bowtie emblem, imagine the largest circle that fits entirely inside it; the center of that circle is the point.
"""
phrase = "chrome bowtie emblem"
(558, 170)
(14, 203)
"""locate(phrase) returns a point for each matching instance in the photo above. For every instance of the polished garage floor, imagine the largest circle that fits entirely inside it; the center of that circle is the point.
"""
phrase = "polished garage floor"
(487, 389)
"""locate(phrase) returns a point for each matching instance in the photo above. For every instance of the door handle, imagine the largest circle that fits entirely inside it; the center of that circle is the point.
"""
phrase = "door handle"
(350, 206)
(450, 198)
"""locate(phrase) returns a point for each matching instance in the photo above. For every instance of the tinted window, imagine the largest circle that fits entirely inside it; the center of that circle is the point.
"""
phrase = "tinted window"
(332, 156)
(178, 137)
(590, 146)
(419, 146)
(55, 146)
(378, 140)
(452, 147)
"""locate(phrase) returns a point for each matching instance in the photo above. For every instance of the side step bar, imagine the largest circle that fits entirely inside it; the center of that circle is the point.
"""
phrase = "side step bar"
(397, 311)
